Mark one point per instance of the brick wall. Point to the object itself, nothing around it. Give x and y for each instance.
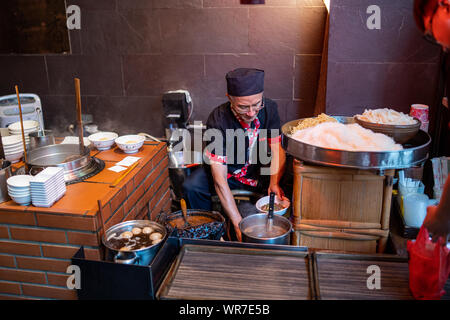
(36, 248)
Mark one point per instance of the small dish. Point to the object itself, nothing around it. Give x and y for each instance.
(130, 143)
(103, 140)
(265, 201)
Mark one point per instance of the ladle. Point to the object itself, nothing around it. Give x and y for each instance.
(184, 210)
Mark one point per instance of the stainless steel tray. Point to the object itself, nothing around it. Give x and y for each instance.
(415, 152)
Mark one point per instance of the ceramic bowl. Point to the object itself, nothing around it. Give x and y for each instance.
(103, 140)
(24, 201)
(14, 157)
(130, 143)
(22, 180)
(400, 133)
(27, 125)
(265, 200)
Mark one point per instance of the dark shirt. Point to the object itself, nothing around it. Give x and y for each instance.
(222, 118)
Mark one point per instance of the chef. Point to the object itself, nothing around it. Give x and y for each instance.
(243, 125)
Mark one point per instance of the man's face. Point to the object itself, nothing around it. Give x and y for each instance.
(247, 107)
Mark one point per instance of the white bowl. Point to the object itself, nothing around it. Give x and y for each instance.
(11, 140)
(22, 180)
(18, 194)
(130, 143)
(24, 201)
(265, 200)
(103, 140)
(27, 124)
(14, 157)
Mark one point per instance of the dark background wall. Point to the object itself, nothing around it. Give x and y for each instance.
(128, 52)
(393, 67)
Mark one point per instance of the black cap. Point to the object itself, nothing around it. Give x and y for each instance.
(245, 82)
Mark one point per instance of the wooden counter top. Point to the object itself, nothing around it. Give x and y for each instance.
(81, 198)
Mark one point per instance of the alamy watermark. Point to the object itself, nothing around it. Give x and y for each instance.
(228, 147)
(374, 280)
(374, 20)
(73, 281)
(73, 14)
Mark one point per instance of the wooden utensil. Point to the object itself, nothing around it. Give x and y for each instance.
(184, 210)
(80, 124)
(116, 182)
(23, 133)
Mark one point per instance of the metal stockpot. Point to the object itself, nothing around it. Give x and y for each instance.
(142, 256)
(261, 219)
(5, 173)
(38, 139)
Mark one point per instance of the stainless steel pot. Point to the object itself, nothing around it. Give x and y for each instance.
(5, 173)
(260, 220)
(40, 139)
(180, 169)
(142, 256)
(66, 156)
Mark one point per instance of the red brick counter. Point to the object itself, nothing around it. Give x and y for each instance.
(36, 244)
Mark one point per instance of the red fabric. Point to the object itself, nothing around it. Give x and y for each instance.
(214, 157)
(239, 175)
(429, 267)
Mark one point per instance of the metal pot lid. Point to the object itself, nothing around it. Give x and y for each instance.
(415, 152)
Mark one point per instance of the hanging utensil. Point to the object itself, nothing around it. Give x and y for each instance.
(21, 125)
(80, 124)
(184, 210)
(269, 224)
(41, 127)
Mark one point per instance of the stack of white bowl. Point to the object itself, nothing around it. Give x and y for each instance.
(13, 147)
(47, 187)
(29, 126)
(19, 189)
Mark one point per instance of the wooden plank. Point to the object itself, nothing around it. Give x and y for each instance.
(206, 272)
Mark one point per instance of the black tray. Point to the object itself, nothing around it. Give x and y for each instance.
(102, 279)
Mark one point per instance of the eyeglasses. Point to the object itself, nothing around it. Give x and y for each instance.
(246, 108)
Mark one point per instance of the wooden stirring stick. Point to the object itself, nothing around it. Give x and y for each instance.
(23, 133)
(80, 124)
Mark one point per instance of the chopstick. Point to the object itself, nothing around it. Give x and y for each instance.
(21, 124)
(116, 182)
(80, 124)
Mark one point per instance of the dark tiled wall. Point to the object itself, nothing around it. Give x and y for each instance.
(128, 52)
(391, 67)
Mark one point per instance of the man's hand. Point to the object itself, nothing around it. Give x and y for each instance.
(237, 231)
(436, 223)
(275, 188)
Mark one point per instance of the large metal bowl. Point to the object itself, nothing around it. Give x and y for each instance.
(67, 156)
(142, 256)
(415, 152)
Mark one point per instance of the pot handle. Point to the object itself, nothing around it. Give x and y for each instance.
(118, 258)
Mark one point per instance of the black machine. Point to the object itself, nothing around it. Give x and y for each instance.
(177, 107)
